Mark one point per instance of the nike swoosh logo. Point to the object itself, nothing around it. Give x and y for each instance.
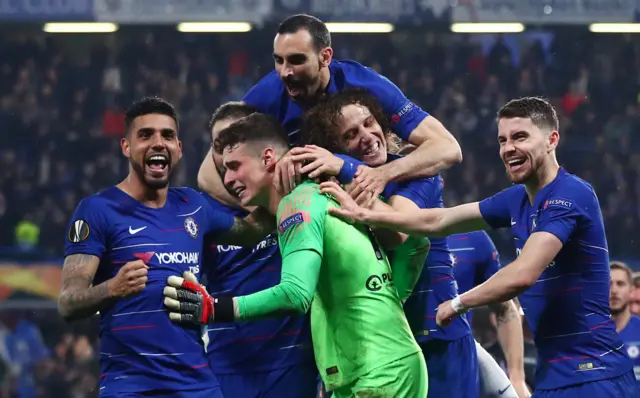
(500, 392)
(135, 231)
(513, 222)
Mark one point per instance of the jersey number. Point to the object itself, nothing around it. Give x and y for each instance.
(374, 243)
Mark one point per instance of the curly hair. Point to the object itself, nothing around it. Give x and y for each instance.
(321, 124)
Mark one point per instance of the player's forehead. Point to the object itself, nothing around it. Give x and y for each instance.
(235, 153)
(154, 122)
(510, 126)
(220, 125)
(352, 116)
(619, 275)
(287, 44)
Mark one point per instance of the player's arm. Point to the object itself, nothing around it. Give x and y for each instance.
(78, 299)
(227, 229)
(210, 182)
(538, 252)
(422, 222)
(85, 244)
(510, 337)
(436, 150)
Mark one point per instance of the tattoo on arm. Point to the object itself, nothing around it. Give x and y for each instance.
(78, 299)
(505, 312)
(250, 230)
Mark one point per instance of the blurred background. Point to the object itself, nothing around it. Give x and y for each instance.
(63, 88)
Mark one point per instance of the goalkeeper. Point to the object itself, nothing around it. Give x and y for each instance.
(362, 342)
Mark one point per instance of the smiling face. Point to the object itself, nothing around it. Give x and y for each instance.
(524, 147)
(362, 135)
(153, 149)
(299, 63)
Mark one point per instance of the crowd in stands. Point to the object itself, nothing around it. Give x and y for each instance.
(61, 118)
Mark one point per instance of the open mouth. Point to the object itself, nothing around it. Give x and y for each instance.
(238, 191)
(516, 163)
(294, 88)
(157, 164)
(371, 150)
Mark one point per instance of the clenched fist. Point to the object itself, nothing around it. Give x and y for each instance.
(130, 279)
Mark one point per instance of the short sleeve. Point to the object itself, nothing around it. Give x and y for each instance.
(88, 230)
(216, 220)
(422, 191)
(301, 220)
(404, 114)
(559, 217)
(495, 209)
(491, 263)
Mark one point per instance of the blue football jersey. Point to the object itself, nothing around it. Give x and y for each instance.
(475, 259)
(270, 96)
(630, 336)
(568, 307)
(140, 348)
(246, 347)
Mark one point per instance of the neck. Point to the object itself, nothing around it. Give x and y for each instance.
(622, 319)
(325, 78)
(543, 177)
(273, 200)
(149, 197)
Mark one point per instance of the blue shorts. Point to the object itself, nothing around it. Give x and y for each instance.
(618, 387)
(293, 382)
(452, 367)
(208, 393)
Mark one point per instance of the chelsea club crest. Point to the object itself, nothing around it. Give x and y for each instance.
(191, 227)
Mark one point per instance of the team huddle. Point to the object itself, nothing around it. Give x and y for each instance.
(319, 258)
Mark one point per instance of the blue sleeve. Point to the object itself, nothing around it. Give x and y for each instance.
(261, 95)
(495, 209)
(216, 221)
(349, 167)
(490, 255)
(404, 114)
(88, 230)
(418, 191)
(560, 216)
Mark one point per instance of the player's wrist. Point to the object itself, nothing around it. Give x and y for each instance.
(224, 309)
(458, 306)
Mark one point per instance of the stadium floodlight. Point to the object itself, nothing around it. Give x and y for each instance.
(214, 27)
(615, 27)
(498, 27)
(359, 27)
(80, 27)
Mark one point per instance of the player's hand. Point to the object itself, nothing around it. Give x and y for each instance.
(319, 161)
(188, 300)
(349, 209)
(445, 314)
(521, 388)
(287, 174)
(130, 279)
(367, 185)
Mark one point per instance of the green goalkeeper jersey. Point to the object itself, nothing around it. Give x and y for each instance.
(357, 320)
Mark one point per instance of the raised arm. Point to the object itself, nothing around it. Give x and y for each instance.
(422, 222)
(79, 299)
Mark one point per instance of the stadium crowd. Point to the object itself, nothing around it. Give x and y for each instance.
(61, 117)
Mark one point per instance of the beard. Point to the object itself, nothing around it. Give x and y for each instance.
(151, 183)
(618, 311)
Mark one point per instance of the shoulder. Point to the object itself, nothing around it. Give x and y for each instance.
(572, 193)
(635, 321)
(100, 202)
(266, 93)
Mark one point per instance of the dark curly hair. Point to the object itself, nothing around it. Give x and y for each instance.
(321, 124)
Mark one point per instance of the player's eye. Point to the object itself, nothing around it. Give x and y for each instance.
(297, 59)
(368, 121)
(278, 60)
(168, 134)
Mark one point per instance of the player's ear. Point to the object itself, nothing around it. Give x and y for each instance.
(554, 140)
(269, 158)
(326, 54)
(126, 147)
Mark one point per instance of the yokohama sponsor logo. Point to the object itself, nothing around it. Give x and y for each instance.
(178, 258)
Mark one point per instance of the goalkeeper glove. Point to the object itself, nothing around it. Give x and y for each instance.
(187, 300)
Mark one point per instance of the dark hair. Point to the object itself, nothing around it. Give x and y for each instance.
(316, 28)
(148, 106)
(231, 109)
(623, 267)
(253, 128)
(539, 110)
(321, 124)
